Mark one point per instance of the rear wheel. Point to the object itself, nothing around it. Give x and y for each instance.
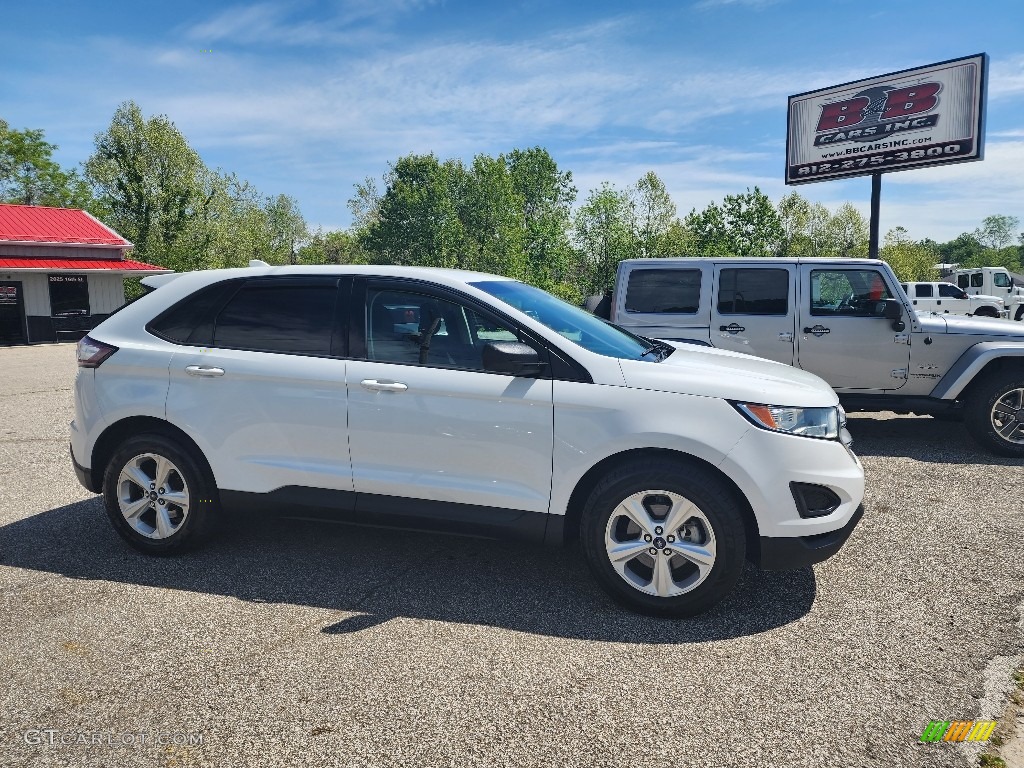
(994, 413)
(664, 537)
(158, 496)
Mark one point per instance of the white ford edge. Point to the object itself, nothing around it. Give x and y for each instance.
(448, 400)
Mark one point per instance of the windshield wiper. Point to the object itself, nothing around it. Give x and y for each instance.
(662, 349)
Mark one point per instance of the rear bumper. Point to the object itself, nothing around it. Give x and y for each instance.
(84, 475)
(780, 554)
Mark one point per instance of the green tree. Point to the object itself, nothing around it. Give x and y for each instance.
(417, 220)
(997, 231)
(152, 182)
(847, 233)
(654, 213)
(336, 247)
(30, 176)
(286, 228)
(546, 195)
(490, 211)
(910, 261)
(604, 235)
(747, 224)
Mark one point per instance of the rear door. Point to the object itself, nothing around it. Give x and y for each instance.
(260, 383)
(753, 310)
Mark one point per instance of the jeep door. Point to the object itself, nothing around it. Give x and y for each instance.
(841, 336)
(427, 422)
(753, 310)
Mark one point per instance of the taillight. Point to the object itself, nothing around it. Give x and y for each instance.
(91, 352)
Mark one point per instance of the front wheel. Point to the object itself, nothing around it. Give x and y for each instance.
(664, 537)
(1020, 313)
(158, 496)
(994, 414)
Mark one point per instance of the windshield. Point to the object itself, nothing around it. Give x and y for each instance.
(571, 322)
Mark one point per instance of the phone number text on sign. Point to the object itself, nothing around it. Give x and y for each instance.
(904, 158)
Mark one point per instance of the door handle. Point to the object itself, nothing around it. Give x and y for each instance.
(818, 330)
(732, 328)
(203, 370)
(383, 386)
(785, 336)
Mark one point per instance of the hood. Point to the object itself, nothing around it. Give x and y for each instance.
(974, 326)
(708, 372)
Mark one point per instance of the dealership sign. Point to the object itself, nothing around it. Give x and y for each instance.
(907, 119)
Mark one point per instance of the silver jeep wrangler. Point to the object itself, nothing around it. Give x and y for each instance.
(848, 321)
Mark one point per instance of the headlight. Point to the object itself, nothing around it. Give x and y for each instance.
(809, 422)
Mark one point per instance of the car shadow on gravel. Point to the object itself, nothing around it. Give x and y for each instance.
(922, 438)
(375, 575)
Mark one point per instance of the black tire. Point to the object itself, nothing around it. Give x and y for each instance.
(714, 501)
(1019, 314)
(1000, 430)
(986, 312)
(189, 480)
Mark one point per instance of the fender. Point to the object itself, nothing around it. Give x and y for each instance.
(971, 362)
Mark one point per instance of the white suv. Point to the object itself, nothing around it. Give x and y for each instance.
(458, 401)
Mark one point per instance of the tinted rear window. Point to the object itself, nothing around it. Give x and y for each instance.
(275, 316)
(190, 321)
(664, 291)
(753, 292)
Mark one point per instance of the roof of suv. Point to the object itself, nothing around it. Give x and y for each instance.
(433, 274)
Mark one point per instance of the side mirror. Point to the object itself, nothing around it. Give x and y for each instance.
(892, 309)
(511, 357)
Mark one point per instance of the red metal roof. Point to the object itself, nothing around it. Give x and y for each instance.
(83, 265)
(38, 224)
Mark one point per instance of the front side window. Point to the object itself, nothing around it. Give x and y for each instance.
(69, 295)
(847, 292)
(664, 291)
(418, 329)
(1001, 280)
(923, 291)
(274, 316)
(950, 291)
(753, 292)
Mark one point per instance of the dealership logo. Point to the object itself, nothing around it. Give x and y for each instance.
(957, 730)
(876, 112)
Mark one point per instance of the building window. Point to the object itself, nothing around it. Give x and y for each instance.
(69, 295)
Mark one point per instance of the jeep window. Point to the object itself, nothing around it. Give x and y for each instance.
(273, 316)
(753, 292)
(950, 291)
(1000, 280)
(923, 291)
(977, 280)
(418, 329)
(847, 292)
(664, 291)
(573, 323)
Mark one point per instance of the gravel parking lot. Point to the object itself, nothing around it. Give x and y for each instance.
(299, 644)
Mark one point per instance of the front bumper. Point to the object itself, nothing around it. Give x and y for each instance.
(787, 553)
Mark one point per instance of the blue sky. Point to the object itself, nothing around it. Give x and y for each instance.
(308, 98)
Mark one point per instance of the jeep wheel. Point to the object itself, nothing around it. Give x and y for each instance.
(994, 414)
(158, 497)
(664, 538)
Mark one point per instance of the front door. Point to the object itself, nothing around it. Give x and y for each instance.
(753, 310)
(426, 421)
(841, 336)
(12, 313)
